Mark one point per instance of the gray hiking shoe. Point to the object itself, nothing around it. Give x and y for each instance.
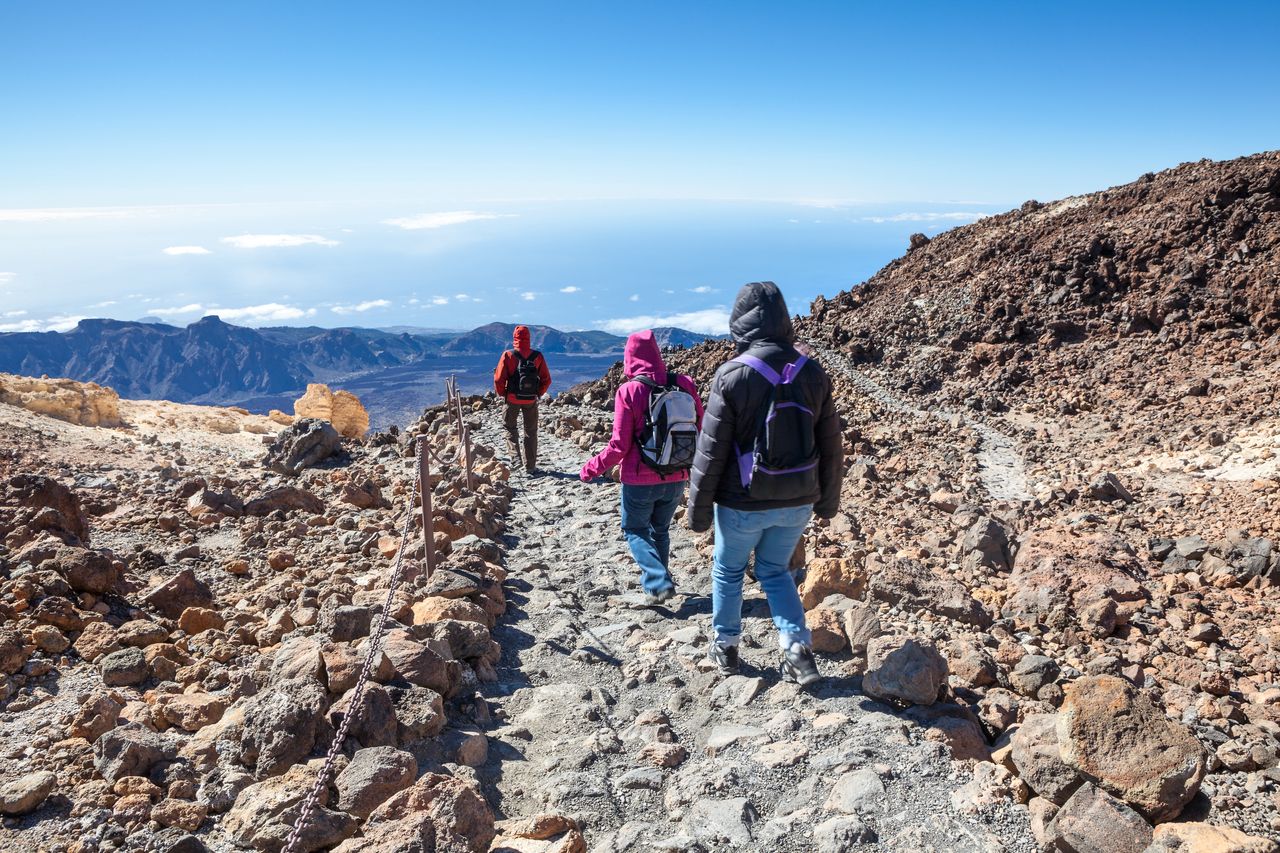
(724, 657)
(799, 666)
(660, 597)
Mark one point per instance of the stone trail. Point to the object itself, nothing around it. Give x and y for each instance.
(1000, 464)
(607, 711)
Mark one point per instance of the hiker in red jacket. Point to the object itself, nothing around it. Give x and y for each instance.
(656, 417)
(522, 377)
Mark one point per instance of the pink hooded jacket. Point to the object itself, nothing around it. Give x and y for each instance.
(642, 357)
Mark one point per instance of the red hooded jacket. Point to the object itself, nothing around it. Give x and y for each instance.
(507, 366)
(642, 357)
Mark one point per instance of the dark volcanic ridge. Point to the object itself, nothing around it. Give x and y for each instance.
(211, 361)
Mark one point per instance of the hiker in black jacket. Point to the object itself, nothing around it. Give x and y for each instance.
(769, 458)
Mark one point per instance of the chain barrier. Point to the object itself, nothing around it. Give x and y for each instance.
(375, 646)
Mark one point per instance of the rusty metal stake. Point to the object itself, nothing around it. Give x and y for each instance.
(457, 399)
(466, 449)
(428, 525)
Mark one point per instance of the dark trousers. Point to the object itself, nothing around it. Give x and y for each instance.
(529, 414)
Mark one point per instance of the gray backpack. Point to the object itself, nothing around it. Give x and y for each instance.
(670, 435)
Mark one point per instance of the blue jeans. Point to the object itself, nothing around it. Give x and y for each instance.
(646, 523)
(772, 534)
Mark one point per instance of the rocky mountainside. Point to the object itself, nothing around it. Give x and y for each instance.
(208, 361)
(495, 337)
(1064, 467)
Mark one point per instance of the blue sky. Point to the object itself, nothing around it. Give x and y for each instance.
(588, 165)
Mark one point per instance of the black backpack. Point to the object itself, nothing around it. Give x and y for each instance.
(783, 464)
(525, 381)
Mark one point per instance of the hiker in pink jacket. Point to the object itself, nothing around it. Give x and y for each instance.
(656, 417)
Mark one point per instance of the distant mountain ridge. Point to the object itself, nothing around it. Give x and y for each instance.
(211, 361)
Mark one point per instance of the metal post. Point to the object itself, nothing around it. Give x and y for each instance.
(428, 525)
(455, 403)
(466, 450)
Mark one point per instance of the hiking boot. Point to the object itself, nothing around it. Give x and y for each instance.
(724, 657)
(798, 665)
(659, 597)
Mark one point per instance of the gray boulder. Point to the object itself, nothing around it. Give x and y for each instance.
(904, 670)
(26, 793)
(304, 445)
(1039, 760)
(373, 775)
(1093, 821)
(282, 725)
(129, 750)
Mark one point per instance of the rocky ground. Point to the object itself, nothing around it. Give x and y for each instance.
(1046, 612)
(186, 604)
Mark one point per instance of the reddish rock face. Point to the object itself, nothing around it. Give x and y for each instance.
(1061, 578)
(1114, 735)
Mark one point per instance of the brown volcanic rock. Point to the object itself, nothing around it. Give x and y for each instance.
(1114, 735)
(1061, 577)
(1164, 260)
(342, 409)
(1203, 838)
(83, 403)
(85, 570)
(28, 494)
(912, 585)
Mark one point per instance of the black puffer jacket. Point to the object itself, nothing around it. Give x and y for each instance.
(761, 326)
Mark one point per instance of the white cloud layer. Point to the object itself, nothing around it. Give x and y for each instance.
(186, 250)
(571, 289)
(60, 323)
(6, 277)
(528, 296)
(361, 307)
(440, 300)
(709, 321)
(193, 308)
(262, 313)
(277, 241)
(933, 216)
(268, 312)
(442, 220)
(701, 289)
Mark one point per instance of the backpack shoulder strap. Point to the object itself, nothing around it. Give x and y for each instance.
(786, 377)
(792, 370)
(760, 366)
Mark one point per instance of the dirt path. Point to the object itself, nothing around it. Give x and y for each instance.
(1000, 465)
(596, 692)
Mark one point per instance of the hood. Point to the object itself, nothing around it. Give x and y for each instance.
(760, 314)
(643, 357)
(521, 341)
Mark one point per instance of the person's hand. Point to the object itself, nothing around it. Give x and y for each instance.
(698, 523)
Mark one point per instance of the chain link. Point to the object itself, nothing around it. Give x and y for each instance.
(375, 645)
